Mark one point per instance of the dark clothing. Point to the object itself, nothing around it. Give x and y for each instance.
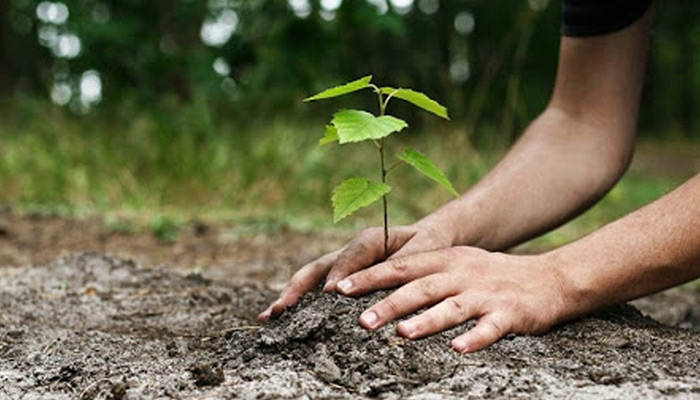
(598, 17)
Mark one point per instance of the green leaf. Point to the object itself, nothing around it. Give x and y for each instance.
(356, 126)
(330, 136)
(423, 164)
(355, 193)
(418, 99)
(348, 88)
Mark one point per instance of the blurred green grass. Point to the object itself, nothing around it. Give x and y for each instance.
(181, 163)
(632, 192)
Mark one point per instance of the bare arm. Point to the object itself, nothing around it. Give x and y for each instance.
(652, 249)
(569, 157)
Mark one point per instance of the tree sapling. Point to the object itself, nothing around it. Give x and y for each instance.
(352, 126)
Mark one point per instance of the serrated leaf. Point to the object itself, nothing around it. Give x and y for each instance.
(423, 164)
(418, 99)
(348, 88)
(355, 193)
(356, 126)
(330, 136)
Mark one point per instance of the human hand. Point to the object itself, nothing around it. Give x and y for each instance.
(506, 293)
(365, 250)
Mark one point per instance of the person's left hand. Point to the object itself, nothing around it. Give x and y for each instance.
(506, 293)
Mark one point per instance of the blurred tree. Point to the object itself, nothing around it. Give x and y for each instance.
(492, 63)
(6, 54)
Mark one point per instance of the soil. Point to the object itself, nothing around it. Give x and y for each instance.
(92, 326)
(244, 254)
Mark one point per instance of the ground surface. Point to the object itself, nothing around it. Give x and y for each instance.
(91, 326)
(243, 254)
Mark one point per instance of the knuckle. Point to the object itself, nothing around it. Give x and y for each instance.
(391, 306)
(426, 287)
(465, 253)
(311, 269)
(293, 286)
(399, 266)
(362, 277)
(427, 321)
(495, 327)
(346, 259)
(508, 302)
(454, 256)
(457, 307)
(453, 252)
(366, 235)
(323, 262)
(359, 246)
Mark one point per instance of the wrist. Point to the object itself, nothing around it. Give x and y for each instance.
(576, 295)
(440, 227)
(449, 222)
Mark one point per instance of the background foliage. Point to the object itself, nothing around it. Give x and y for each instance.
(489, 61)
(188, 104)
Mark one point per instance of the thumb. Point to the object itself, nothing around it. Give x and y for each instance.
(417, 244)
(366, 250)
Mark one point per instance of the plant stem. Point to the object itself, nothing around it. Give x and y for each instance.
(384, 201)
(382, 109)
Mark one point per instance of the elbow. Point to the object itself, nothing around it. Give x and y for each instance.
(612, 158)
(612, 148)
(600, 149)
(609, 153)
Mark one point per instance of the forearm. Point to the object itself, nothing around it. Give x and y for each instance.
(652, 249)
(570, 156)
(558, 169)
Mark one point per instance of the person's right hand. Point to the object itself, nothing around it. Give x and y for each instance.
(362, 252)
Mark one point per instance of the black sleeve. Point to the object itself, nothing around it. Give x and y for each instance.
(598, 17)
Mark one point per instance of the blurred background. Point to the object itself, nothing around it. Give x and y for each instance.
(160, 114)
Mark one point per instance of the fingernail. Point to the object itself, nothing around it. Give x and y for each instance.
(345, 285)
(409, 328)
(370, 319)
(460, 345)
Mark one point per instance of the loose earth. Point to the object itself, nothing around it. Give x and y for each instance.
(92, 326)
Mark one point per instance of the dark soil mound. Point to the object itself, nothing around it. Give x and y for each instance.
(95, 327)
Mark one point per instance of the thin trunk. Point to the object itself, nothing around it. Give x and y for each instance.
(6, 56)
(688, 53)
(527, 24)
(446, 14)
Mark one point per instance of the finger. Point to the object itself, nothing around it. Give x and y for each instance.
(392, 273)
(411, 248)
(487, 331)
(411, 297)
(365, 250)
(450, 312)
(414, 246)
(304, 280)
(427, 240)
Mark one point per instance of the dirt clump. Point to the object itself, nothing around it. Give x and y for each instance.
(205, 375)
(91, 326)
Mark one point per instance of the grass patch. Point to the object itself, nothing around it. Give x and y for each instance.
(174, 164)
(631, 193)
